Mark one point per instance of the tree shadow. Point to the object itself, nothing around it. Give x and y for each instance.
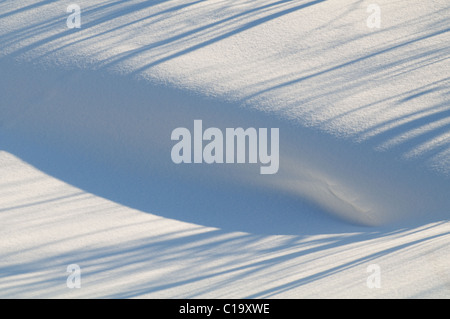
(210, 263)
(112, 11)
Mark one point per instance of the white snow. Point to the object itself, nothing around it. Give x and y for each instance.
(86, 175)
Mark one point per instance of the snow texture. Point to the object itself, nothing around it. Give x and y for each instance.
(86, 176)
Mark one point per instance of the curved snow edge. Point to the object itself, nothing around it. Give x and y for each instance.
(124, 124)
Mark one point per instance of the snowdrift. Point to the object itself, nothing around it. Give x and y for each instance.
(111, 135)
(362, 138)
(362, 115)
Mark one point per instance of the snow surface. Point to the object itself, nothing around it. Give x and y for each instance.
(86, 174)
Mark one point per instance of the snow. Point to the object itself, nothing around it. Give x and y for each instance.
(87, 179)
